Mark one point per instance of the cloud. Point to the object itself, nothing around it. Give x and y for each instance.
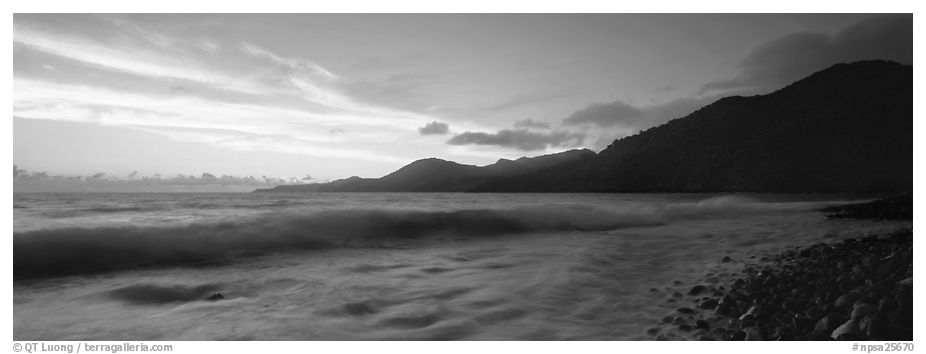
(26, 181)
(605, 115)
(521, 139)
(129, 59)
(787, 59)
(624, 116)
(530, 123)
(434, 128)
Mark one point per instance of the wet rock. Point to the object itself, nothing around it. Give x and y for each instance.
(752, 312)
(802, 323)
(828, 323)
(846, 300)
(862, 310)
(815, 312)
(697, 290)
(850, 327)
(738, 335)
(753, 333)
(727, 306)
(708, 304)
(687, 311)
(783, 333)
(848, 337)
(748, 321)
(886, 305)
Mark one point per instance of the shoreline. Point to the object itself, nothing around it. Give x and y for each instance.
(855, 289)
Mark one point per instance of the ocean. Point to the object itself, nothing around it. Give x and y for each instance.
(382, 266)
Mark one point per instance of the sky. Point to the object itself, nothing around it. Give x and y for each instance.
(336, 95)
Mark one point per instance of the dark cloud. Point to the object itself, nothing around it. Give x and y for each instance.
(787, 59)
(530, 123)
(619, 114)
(434, 128)
(521, 139)
(606, 115)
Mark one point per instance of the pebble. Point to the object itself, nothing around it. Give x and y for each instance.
(801, 294)
(708, 304)
(697, 289)
(686, 311)
(850, 327)
(752, 333)
(846, 300)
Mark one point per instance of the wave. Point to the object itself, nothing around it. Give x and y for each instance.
(80, 250)
(60, 214)
(144, 293)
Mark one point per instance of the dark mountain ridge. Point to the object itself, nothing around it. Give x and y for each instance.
(848, 128)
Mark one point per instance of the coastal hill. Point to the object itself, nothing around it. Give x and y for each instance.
(436, 175)
(848, 128)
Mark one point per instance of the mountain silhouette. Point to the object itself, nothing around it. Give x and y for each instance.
(847, 128)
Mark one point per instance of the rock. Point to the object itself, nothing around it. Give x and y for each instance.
(738, 335)
(815, 312)
(685, 328)
(752, 333)
(862, 310)
(848, 336)
(753, 311)
(702, 324)
(782, 333)
(846, 300)
(708, 304)
(677, 294)
(803, 323)
(886, 305)
(828, 323)
(727, 306)
(850, 327)
(704, 337)
(687, 311)
(747, 321)
(652, 331)
(216, 297)
(727, 259)
(697, 289)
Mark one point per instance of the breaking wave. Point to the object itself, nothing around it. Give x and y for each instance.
(79, 250)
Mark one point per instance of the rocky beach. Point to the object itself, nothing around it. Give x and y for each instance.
(854, 289)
